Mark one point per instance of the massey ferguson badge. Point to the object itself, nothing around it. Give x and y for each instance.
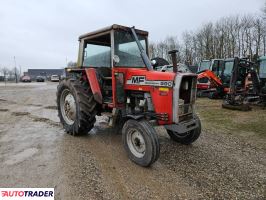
(141, 80)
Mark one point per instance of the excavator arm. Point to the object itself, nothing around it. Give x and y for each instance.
(211, 76)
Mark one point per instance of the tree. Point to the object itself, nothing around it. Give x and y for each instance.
(5, 71)
(228, 37)
(71, 64)
(264, 11)
(264, 29)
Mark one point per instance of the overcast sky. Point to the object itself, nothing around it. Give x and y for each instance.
(44, 33)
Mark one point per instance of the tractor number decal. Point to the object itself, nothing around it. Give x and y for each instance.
(141, 80)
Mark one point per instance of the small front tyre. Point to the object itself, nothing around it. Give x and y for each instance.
(187, 137)
(140, 142)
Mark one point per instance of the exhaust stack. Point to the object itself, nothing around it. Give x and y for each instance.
(174, 59)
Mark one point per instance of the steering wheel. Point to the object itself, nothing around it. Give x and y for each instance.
(163, 69)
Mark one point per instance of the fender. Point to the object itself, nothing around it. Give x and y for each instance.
(94, 84)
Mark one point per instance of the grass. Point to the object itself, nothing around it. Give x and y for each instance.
(215, 117)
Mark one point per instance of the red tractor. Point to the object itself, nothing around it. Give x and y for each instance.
(114, 74)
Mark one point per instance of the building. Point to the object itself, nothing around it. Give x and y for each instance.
(33, 73)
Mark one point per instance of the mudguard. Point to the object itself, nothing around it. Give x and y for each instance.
(94, 84)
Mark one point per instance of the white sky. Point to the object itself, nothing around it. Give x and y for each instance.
(43, 33)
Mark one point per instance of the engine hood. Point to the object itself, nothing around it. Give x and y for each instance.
(151, 78)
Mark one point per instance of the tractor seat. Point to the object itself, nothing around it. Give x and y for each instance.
(104, 73)
(107, 78)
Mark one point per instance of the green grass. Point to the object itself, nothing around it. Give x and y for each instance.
(214, 117)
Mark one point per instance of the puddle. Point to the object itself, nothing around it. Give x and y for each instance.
(21, 156)
(40, 120)
(20, 113)
(37, 105)
(45, 120)
(51, 107)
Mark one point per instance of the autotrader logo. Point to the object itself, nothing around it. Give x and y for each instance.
(27, 193)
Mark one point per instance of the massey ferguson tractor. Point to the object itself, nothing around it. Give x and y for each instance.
(115, 75)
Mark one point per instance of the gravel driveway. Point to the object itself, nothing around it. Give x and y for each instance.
(35, 152)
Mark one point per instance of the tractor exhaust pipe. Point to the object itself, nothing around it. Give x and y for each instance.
(174, 59)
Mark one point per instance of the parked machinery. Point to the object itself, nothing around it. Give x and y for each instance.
(262, 69)
(245, 87)
(115, 75)
(214, 82)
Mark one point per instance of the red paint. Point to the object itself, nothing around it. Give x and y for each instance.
(94, 84)
(162, 104)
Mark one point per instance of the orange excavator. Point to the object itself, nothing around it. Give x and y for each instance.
(216, 87)
(214, 82)
(246, 87)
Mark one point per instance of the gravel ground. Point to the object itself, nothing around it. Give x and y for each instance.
(35, 152)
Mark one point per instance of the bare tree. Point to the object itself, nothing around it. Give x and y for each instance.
(5, 71)
(71, 64)
(232, 36)
(161, 48)
(264, 29)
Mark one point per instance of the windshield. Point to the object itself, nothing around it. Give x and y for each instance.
(204, 65)
(263, 69)
(217, 67)
(228, 67)
(169, 68)
(127, 49)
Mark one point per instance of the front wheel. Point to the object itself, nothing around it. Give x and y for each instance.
(187, 137)
(140, 142)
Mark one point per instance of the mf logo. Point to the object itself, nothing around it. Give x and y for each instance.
(138, 79)
(141, 80)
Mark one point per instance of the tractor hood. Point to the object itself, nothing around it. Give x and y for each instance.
(150, 78)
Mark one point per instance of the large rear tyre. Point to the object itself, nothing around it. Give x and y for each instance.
(187, 137)
(140, 142)
(76, 107)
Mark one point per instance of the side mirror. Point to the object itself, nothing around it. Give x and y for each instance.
(116, 59)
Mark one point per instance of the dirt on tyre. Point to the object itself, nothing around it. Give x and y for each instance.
(187, 137)
(140, 142)
(76, 106)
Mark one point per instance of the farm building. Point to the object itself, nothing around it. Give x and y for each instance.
(33, 73)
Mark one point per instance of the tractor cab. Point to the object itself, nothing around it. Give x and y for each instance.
(204, 64)
(215, 67)
(262, 69)
(227, 71)
(109, 48)
(112, 46)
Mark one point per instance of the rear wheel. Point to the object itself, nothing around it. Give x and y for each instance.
(187, 137)
(76, 107)
(140, 142)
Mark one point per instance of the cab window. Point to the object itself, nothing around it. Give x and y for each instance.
(97, 52)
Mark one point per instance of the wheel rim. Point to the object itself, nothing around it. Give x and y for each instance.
(181, 135)
(68, 107)
(136, 143)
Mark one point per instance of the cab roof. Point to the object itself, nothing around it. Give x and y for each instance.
(109, 28)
